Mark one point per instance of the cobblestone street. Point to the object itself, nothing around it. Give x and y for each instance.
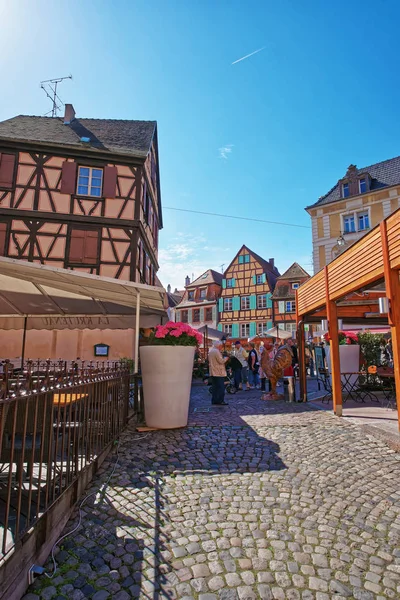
(255, 500)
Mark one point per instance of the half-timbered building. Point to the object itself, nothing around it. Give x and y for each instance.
(284, 296)
(198, 306)
(245, 306)
(82, 194)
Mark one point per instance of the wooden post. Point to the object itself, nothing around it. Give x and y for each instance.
(137, 331)
(392, 283)
(301, 350)
(331, 311)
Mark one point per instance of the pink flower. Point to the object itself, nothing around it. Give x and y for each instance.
(175, 333)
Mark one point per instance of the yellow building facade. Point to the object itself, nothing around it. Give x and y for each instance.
(355, 205)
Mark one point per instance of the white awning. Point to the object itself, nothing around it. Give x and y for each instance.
(55, 298)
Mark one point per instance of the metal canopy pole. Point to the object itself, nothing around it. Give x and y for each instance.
(137, 325)
(23, 343)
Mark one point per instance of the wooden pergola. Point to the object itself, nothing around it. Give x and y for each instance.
(332, 294)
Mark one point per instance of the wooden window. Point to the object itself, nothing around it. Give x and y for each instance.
(244, 329)
(90, 182)
(227, 303)
(262, 301)
(203, 293)
(191, 295)
(68, 178)
(228, 329)
(7, 169)
(196, 315)
(259, 279)
(84, 246)
(349, 225)
(184, 316)
(209, 314)
(230, 283)
(363, 221)
(247, 258)
(362, 185)
(290, 306)
(245, 303)
(261, 328)
(3, 238)
(295, 285)
(345, 190)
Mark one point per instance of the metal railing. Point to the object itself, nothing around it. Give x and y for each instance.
(54, 422)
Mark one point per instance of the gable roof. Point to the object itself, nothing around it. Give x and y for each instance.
(293, 272)
(383, 174)
(208, 277)
(271, 272)
(129, 138)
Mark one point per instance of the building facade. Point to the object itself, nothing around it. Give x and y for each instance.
(245, 306)
(284, 296)
(198, 306)
(357, 203)
(82, 194)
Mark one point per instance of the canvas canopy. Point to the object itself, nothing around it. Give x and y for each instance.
(45, 297)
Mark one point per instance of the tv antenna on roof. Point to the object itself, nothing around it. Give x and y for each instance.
(222, 268)
(50, 89)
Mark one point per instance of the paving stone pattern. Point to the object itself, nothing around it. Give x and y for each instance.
(258, 500)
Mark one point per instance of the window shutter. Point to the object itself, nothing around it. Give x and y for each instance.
(253, 302)
(221, 305)
(189, 315)
(241, 260)
(281, 308)
(269, 300)
(269, 324)
(7, 164)
(219, 326)
(253, 329)
(235, 330)
(254, 279)
(202, 314)
(264, 278)
(68, 178)
(110, 182)
(177, 316)
(233, 282)
(214, 313)
(91, 246)
(236, 303)
(3, 235)
(77, 246)
(224, 284)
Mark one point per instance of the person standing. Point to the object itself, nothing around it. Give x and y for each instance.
(254, 365)
(217, 369)
(241, 354)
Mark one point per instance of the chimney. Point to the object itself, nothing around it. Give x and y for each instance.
(69, 114)
(169, 288)
(176, 290)
(272, 262)
(187, 280)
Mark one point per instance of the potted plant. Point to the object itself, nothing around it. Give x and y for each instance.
(166, 365)
(349, 352)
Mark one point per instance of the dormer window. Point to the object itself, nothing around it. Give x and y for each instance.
(345, 190)
(295, 285)
(191, 295)
(203, 293)
(362, 184)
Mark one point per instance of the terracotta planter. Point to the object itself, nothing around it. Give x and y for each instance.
(167, 379)
(349, 359)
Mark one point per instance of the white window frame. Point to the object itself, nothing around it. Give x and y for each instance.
(295, 285)
(364, 214)
(261, 301)
(290, 327)
(230, 302)
(349, 216)
(89, 186)
(355, 215)
(228, 329)
(229, 283)
(259, 279)
(244, 330)
(292, 306)
(261, 327)
(245, 300)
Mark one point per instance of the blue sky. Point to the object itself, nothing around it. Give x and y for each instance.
(321, 95)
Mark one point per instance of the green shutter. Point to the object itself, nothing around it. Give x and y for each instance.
(233, 282)
(253, 329)
(264, 278)
(224, 283)
(269, 300)
(221, 305)
(214, 312)
(241, 259)
(236, 303)
(189, 315)
(281, 308)
(219, 327)
(253, 303)
(269, 324)
(202, 314)
(235, 330)
(247, 258)
(254, 278)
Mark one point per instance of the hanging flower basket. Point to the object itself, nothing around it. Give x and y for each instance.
(167, 366)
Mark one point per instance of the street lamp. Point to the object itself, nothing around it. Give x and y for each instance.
(341, 241)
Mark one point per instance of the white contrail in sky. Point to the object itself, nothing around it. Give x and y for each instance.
(248, 55)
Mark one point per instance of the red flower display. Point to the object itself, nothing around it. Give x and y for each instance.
(345, 337)
(175, 334)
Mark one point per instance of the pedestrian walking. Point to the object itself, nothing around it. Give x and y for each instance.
(241, 354)
(254, 365)
(217, 370)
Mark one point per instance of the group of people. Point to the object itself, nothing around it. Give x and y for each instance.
(245, 365)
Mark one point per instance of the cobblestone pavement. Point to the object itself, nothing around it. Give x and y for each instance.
(258, 500)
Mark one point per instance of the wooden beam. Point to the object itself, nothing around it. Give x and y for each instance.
(301, 353)
(392, 282)
(332, 315)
